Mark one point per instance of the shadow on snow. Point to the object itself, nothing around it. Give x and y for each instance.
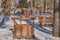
(36, 25)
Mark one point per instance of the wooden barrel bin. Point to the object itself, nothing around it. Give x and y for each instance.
(23, 30)
(27, 31)
(42, 20)
(17, 31)
(30, 31)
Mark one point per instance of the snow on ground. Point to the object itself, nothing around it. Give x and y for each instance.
(1, 17)
(6, 32)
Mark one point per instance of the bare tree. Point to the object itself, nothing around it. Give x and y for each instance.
(56, 19)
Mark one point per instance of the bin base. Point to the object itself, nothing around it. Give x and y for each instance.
(26, 39)
(15, 37)
(31, 37)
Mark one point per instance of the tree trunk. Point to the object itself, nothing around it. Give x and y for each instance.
(56, 19)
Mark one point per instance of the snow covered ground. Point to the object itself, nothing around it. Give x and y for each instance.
(6, 31)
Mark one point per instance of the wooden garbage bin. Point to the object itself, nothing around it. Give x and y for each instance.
(42, 20)
(30, 31)
(24, 30)
(17, 29)
(27, 31)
